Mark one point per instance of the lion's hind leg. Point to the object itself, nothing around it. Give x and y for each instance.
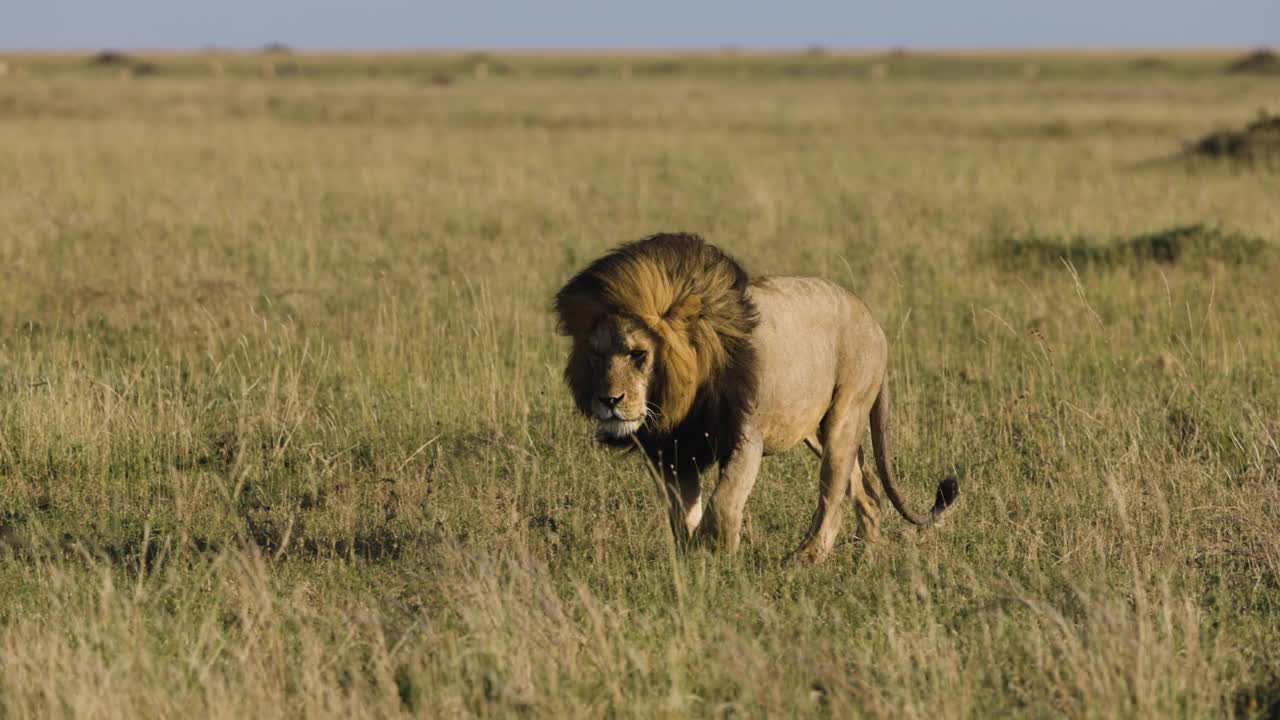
(862, 491)
(866, 501)
(839, 441)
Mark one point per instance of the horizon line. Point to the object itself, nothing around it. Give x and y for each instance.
(813, 49)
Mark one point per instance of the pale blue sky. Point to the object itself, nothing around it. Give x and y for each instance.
(655, 24)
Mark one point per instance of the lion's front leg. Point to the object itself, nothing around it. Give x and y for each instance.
(723, 524)
(683, 488)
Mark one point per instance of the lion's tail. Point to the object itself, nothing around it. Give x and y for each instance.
(948, 489)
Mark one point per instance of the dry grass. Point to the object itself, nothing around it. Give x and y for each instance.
(282, 431)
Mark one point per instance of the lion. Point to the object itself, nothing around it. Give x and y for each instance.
(675, 349)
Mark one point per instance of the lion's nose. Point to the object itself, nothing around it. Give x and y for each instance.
(611, 402)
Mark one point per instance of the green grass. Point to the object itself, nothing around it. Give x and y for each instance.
(282, 430)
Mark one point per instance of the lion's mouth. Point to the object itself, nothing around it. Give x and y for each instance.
(619, 427)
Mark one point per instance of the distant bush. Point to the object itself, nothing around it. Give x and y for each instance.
(1262, 61)
(110, 57)
(1257, 144)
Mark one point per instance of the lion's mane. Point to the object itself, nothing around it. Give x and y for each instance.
(693, 298)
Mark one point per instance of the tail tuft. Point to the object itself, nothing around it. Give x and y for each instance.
(948, 490)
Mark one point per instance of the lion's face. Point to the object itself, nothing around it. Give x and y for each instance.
(615, 368)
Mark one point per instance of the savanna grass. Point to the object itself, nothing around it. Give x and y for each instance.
(282, 430)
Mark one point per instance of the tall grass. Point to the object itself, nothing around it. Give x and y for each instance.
(282, 430)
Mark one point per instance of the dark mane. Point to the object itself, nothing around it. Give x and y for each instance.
(693, 296)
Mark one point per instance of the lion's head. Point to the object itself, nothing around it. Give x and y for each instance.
(661, 331)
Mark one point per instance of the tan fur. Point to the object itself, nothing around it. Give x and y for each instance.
(675, 338)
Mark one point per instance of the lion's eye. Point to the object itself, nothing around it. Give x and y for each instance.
(639, 355)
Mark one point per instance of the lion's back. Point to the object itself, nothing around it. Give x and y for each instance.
(814, 308)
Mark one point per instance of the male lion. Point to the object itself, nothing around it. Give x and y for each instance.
(674, 348)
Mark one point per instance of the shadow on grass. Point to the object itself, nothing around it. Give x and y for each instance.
(1186, 245)
(139, 547)
(1258, 702)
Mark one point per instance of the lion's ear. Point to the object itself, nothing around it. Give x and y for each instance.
(684, 310)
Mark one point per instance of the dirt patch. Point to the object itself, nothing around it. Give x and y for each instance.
(1261, 61)
(1256, 145)
(1187, 245)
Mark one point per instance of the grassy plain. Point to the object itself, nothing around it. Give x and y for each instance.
(282, 432)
